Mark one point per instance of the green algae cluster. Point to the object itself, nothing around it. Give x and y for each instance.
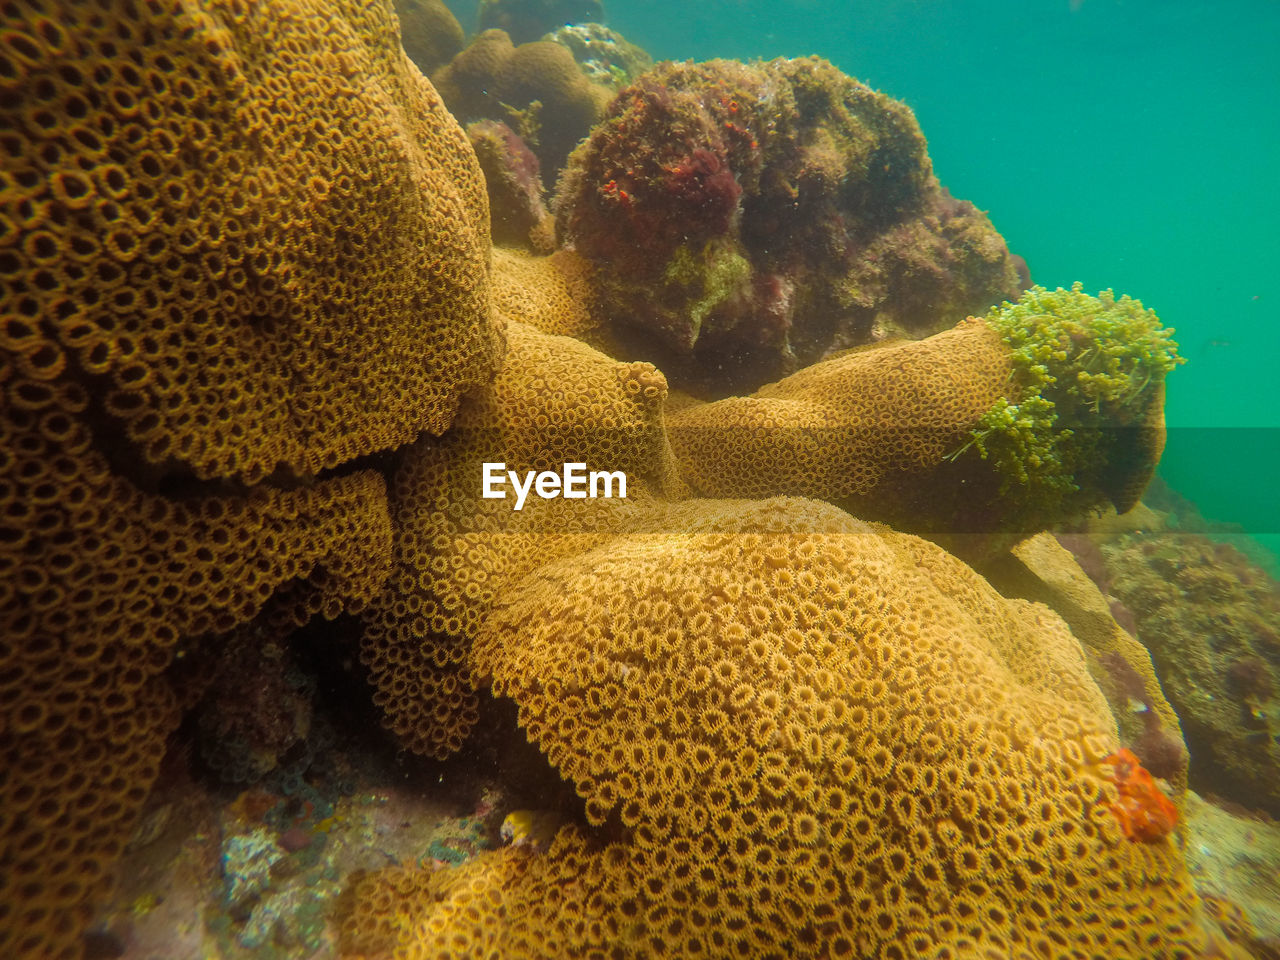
(1084, 368)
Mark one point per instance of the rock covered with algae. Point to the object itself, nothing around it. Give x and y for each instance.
(753, 216)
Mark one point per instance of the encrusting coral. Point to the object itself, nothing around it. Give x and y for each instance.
(751, 217)
(998, 428)
(791, 743)
(240, 243)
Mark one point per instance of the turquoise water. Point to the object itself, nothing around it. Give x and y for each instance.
(1132, 145)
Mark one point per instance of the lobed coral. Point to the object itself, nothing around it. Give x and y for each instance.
(452, 545)
(553, 294)
(234, 227)
(791, 743)
(252, 247)
(536, 87)
(751, 216)
(429, 32)
(243, 246)
(954, 435)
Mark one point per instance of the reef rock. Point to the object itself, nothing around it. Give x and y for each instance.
(754, 216)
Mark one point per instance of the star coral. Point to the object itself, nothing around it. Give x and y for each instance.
(246, 245)
(979, 435)
(1145, 813)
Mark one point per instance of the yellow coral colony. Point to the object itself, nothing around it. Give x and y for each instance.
(244, 245)
(793, 733)
(240, 242)
(797, 744)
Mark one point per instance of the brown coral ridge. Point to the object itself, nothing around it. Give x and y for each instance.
(240, 243)
(795, 745)
(537, 87)
(555, 401)
(883, 432)
(755, 216)
(238, 229)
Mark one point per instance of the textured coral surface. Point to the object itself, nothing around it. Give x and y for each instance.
(243, 243)
(838, 744)
(452, 544)
(950, 436)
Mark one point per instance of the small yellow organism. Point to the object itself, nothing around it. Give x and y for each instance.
(529, 828)
(145, 904)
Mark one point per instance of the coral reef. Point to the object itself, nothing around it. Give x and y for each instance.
(1211, 620)
(430, 33)
(754, 216)
(793, 744)
(978, 435)
(446, 555)
(792, 733)
(1041, 569)
(518, 215)
(257, 353)
(604, 55)
(536, 88)
(243, 247)
(526, 20)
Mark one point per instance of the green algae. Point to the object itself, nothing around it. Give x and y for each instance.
(1082, 365)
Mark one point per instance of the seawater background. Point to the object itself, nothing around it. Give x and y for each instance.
(1132, 145)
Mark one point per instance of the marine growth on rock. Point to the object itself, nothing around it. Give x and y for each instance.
(755, 216)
